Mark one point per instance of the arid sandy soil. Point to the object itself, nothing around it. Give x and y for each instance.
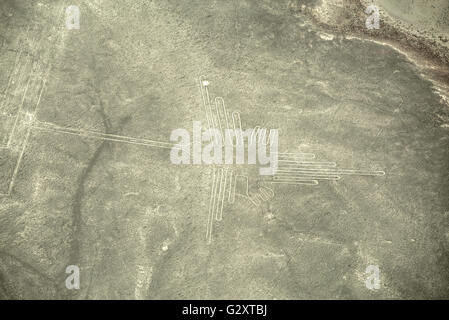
(85, 181)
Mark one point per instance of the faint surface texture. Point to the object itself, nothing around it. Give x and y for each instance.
(135, 223)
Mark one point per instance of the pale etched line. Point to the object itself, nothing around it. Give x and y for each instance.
(22, 70)
(225, 112)
(49, 63)
(57, 40)
(34, 48)
(238, 131)
(309, 176)
(203, 84)
(254, 133)
(47, 73)
(339, 171)
(288, 178)
(308, 163)
(261, 196)
(263, 138)
(29, 58)
(17, 67)
(262, 135)
(44, 81)
(246, 183)
(253, 199)
(16, 169)
(264, 193)
(304, 171)
(217, 195)
(306, 177)
(11, 135)
(297, 182)
(13, 73)
(216, 204)
(37, 83)
(222, 192)
(149, 144)
(265, 190)
(101, 134)
(19, 160)
(211, 114)
(45, 126)
(211, 212)
(256, 199)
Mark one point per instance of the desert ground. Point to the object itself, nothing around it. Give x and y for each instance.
(86, 178)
